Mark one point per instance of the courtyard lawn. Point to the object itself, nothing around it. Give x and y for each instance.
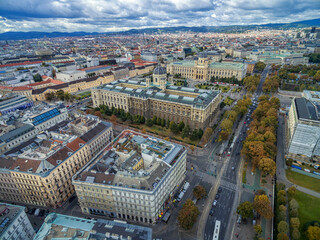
(303, 180)
(164, 132)
(224, 89)
(308, 210)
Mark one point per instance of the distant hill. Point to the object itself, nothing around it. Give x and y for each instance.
(226, 29)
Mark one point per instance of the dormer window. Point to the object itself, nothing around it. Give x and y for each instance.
(81, 144)
(69, 154)
(59, 161)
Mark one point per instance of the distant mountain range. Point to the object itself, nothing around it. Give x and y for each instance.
(226, 29)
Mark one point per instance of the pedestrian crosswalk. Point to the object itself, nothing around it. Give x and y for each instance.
(228, 185)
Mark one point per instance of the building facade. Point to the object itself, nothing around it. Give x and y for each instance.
(134, 180)
(195, 107)
(14, 223)
(203, 69)
(39, 171)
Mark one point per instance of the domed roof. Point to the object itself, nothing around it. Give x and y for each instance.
(203, 55)
(159, 70)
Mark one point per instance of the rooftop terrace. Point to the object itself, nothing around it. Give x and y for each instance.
(133, 160)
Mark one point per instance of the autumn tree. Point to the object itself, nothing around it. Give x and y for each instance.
(294, 222)
(282, 236)
(188, 214)
(98, 114)
(258, 229)
(267, 165)
(245, 209)
(113, 118)
(283, 227)
(313, 233)
(207, 134)
(261, 205)
(199, 192)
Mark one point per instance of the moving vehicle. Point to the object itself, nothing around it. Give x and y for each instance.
(216, 230)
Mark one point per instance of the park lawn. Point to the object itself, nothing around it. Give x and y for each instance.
(84, 94)
(303, 180)
(228, 101)
(224, 89)
(309, 210)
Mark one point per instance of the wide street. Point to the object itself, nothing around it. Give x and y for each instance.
(230, 184)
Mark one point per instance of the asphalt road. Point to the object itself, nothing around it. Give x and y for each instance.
(228, 183)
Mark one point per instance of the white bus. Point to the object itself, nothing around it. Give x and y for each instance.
(216, 230)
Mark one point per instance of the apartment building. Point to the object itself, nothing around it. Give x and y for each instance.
(32, 125)
(140, 96)
(134, 179)
(39, 171)
(14, 223)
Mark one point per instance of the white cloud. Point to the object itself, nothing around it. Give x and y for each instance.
(101, 15)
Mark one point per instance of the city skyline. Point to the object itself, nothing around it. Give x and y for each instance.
(104, 16)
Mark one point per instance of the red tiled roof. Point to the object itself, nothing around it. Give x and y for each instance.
(75, 145)
(26, 164)
(20, 64)
(62, 154)
(22, 88)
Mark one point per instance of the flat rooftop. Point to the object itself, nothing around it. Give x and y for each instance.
(305, 109)
(8, 213)
(63, 227)
(133, 160)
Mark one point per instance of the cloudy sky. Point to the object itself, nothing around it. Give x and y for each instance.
(115, 15)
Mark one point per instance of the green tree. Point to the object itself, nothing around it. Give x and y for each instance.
(295, 234)
(283, 227)
(60, 94)
(173, 127)
(291, 191)
(37, 78)
(186, 131)
(163, 122)
(245, 209)
(259, 66)
(149, 123)
(181, 126)
(293, 204)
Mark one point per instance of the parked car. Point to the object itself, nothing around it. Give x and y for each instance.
(211, 212)
(219, 189)
(217, 196)
(31, 211)
(214, 203)
(41, 213)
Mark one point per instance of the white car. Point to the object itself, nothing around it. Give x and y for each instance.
(214, 203)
